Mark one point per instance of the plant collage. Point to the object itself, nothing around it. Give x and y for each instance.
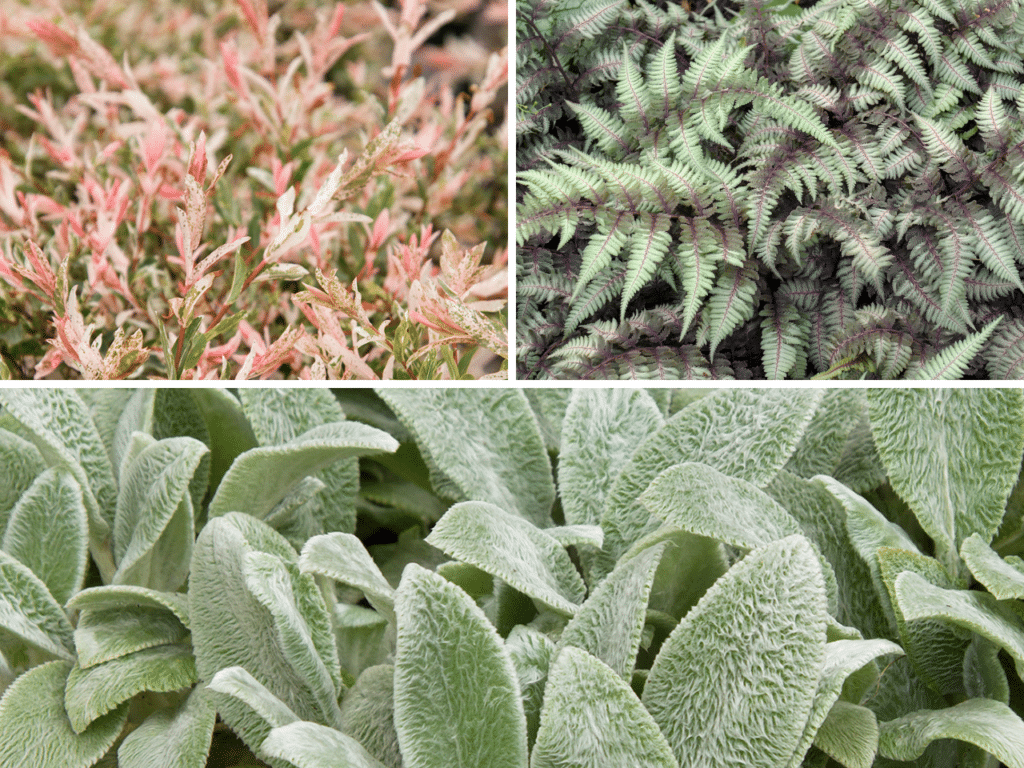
(275, 494)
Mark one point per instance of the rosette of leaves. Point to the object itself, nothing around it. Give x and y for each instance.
(760, 189)
(740, 577)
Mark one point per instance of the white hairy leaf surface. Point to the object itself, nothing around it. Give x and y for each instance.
(601, 430)
(310, 745)
(975, 611)
(549, 407)
(577, 535)
(1003, 578)
(36, 730)
(125, 596)
(261, 477)
(176, 737)
(988, 724)
(592, 719)
(849, 735)
(368, 714)
(278, 416)
(302, 625)
(512, 549)
(953, 456)
(153, 525)
(734, 683)
(236, 685)
(361, 635)
(29, 612)
(48, 531)
(485, 442)
(342, 557)
(609, 624)
(749, 434)
(22, 463)
(820, 451)
(444, 717)
(230, 627)
(93, 692)
(531, 653)
(103, 634)
(843, 658)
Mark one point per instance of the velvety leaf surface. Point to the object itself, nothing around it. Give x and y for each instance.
(48, 531)
(602, 429)
(976, 611)
(153, 525)
(237, 684)
(122, 596)
(298, 621)
(176, 737)
(935, 649)
(28, 610)
(231, 434)
(991, 725)
(91, 693)
(820, 451)
(20, 464)
(309, 745)
(592, 719)
(531, 653)
(486, 442)
(103, 634)
(577, 535)
(456, 697)
(261, 477)
(749, 434)
(36, 728)
(734, 683)
(849, 735)
(549, 406)
(278, 416)
(361, 637)
(368, 714)
(609, 624)
(1004, 579)
(342, 557)
(512, 549)
(953, 456)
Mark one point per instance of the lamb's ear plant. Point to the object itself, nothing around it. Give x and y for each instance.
(435, 578)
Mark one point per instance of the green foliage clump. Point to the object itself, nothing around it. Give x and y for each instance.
(761, 189)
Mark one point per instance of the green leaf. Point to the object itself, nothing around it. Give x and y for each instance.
(280, 415)
(93, 692)
(849, 735)
(843, 658)
(368, 714)
(952, 456)
(122, 596)
(821, 449)
(28, 610)
(1004, 579)
(445, 718)
(609, 624)
(512, 549)
(298, 619)
(230, 432)
(602, 429)
(991, 725)
(230, 627)
(36, 728)
(261, 477)
(485, 442)
(103, 634)
(532, 653)
(730, 431)
(761, 627)
(975, 611)
(20, 464)
(549, 407)
(361, 637)
(309, 745)
(153, 526)
(48, 531)
(592, 719)
(178, 737)
(577, 535)
(342, 557)
(237, 685)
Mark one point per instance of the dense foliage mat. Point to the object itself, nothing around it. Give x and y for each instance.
(499, 579)
(759, 188)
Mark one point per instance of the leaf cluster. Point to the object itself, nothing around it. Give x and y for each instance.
(770, 190)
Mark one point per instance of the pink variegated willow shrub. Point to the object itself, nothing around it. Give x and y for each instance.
(316, 192)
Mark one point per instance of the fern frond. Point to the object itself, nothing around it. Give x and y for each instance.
(731, 302)
(698, 264)
(944, 146)
(952, 70)
(648, 246)
(1004, 356)
(952, 362)
(603, 128)
(992, 120)
(783, 336)
(883, 77)
(585, 20)
(989, 238)
(634, 99)
(604, 245)
(598, 293)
